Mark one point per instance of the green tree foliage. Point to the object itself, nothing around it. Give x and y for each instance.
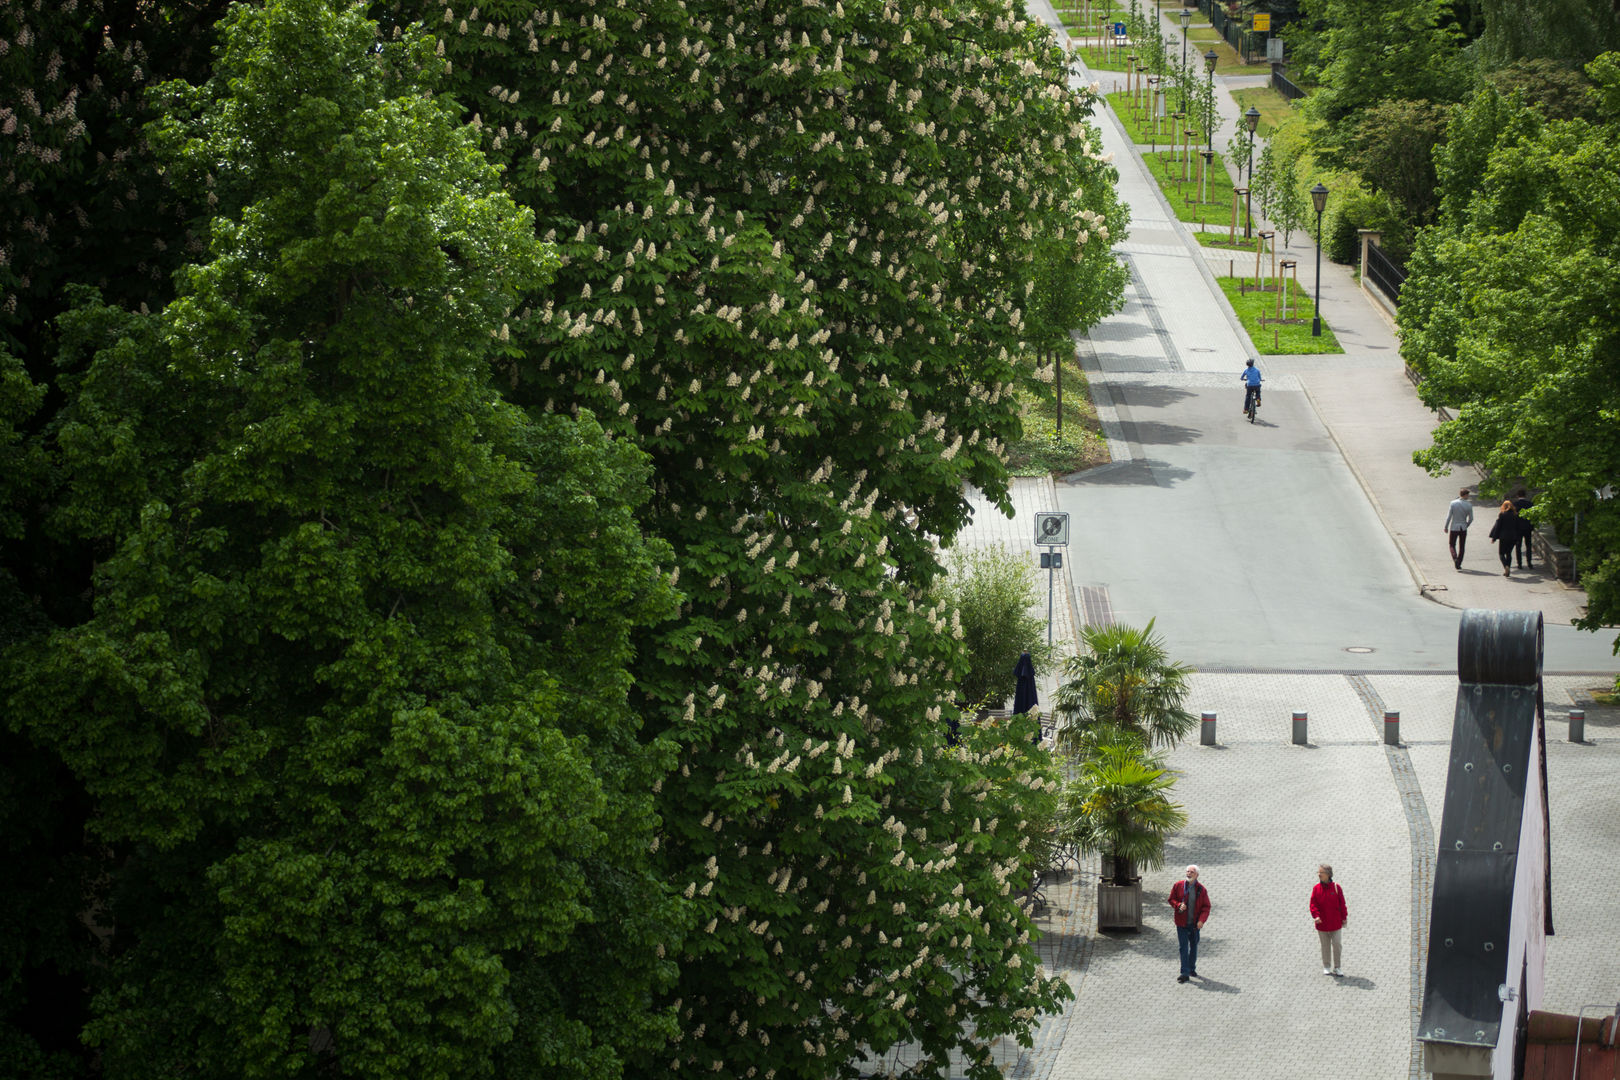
(1382, 50)
(800, 247)
(1572, 32)
(1124, 679)
(350, 708)
(1391, 147)
(1559, 91)
(1507, 312)
(989, 591)
(1118, 805)
(80, 199)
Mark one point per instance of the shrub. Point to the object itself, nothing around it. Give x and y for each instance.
(992, 590)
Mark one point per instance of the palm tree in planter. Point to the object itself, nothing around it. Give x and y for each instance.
(1122, 678)
(1118, 805)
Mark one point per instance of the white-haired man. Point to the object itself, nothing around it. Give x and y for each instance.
(1190, 902)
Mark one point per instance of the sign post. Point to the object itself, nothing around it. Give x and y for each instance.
(1051, 532)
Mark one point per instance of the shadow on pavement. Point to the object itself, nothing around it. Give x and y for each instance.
(1216, 987)
(1141, 472)
(1150, 395)
(1356, 982)
(1205, 850)
(1154, 433)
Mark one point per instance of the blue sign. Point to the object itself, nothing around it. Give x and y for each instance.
(1119, 29)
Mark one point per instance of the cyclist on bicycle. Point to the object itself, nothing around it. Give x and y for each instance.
(1251, 386)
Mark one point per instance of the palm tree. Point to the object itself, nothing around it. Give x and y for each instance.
(1117, 805)
(1125, 679)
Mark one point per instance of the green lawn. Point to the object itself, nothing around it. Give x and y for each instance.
(1042, 452)
(1272, 339)
(1215, 206)
(1140, 128)
(1100, 59)
(1274, 108)
(1228, 61)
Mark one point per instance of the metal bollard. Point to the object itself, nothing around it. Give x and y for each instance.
(1577, 725)
(1299, 728)
(1392, 728)
(1206, 731)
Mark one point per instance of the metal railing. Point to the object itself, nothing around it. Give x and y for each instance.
(1285, 86)
(1382, 271)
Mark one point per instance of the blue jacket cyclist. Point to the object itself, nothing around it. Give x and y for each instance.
(1251, 385)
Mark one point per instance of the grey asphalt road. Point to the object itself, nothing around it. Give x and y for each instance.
(1252, 545)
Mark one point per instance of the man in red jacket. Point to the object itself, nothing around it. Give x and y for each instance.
(1330, 913)
(1190, 903)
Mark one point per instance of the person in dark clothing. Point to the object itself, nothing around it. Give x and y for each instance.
(1521, 503)
(1505, 532)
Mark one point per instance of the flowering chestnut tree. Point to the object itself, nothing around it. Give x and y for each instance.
(799, 246)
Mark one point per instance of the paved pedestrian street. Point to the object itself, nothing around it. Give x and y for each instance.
(1299, 564)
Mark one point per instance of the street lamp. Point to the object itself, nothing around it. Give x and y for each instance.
(1252, 119)
(1210, 60)
(1319, 195)
(1186, 17)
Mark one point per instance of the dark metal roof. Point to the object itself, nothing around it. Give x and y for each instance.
(1497, 716)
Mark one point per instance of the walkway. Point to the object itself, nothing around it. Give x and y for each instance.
(1265, 812)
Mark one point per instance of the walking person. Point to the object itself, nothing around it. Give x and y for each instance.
(1330, 913)
(1521, 503)
(1190, 902)
(1459, 515)
(1505, 531)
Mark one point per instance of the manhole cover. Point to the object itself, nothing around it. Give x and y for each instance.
(1358, 649)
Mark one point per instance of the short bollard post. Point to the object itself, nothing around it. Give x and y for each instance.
(1577, 725)
(1206, 731)
(1299, 728)
(1392, 728)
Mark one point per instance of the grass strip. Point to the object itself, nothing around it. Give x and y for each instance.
(1042, 451)
(1273, 338)
(1274, 108)
(1138, 124)
(1208, 203)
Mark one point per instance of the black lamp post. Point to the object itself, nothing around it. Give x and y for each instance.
(1252, 119)
(1210, 59)
(1186, 17)
(1319, 195)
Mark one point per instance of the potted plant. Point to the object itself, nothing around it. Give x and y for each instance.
(1122, 699)
(1118, 805)
(1123, 679)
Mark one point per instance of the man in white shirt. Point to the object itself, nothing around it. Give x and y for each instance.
(1459, 516)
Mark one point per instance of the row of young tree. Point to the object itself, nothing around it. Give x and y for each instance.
(472, 481)
(1479, 136)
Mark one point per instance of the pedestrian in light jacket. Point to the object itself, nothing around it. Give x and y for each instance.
(1459, 515)
(1330, 913)
(1189, 901)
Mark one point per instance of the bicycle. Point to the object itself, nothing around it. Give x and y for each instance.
(1251, 402)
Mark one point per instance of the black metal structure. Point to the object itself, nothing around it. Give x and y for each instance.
(1285, 86)
(1385, 273)
(1496, 735)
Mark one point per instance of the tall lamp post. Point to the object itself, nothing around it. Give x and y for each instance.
(1252, 119)
(1319, 195)
(1186, 17)
(1210, 59)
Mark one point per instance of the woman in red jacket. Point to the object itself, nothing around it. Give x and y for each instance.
(1327, 908)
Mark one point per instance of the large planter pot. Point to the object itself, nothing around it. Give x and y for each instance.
(1119, 907)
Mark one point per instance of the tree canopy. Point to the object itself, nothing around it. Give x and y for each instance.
(351, 704)
(1508, 315)
(494, 634)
